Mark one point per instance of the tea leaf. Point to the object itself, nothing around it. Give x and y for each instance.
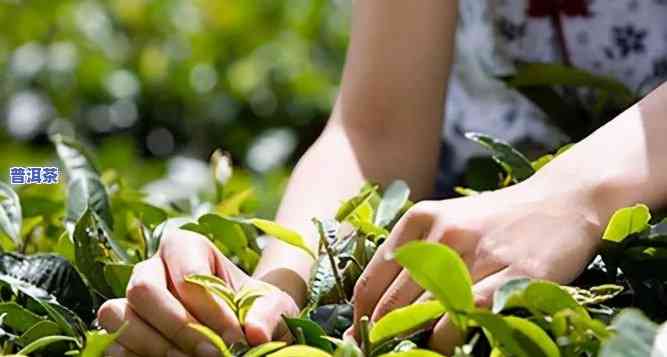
(532, 338)
(357, 202)
(117, 276)
(17, 317)
(300, 351)
(393, 200)
(91, 252)
(413, 353)
(542, 161)
(98, 341)
(10, 213)
(283, 234)
(508, 293)
(627, 221)
(265, 349)
(215, 285)
(440, 270)
(345, 348)
(405, 319)
(542, 74)
(231, 206)
(213, 337)
(312, 332)
(41, 329)
(634, 336)
(513, 162)
(43, 342)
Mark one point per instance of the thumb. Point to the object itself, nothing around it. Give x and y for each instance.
(264, 321)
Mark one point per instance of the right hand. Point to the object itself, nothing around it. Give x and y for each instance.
(160, 304)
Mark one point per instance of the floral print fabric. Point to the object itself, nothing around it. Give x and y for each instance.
(624, 39)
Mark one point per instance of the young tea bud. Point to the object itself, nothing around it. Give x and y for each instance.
(221, 165)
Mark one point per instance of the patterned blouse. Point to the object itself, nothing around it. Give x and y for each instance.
(623, 39)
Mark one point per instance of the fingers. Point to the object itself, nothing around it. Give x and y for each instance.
(193, 254)
(116, 350)
(149, 298)
(138, 336)
(264, 321)
(446, 336)
(381, 271)
(402, 291)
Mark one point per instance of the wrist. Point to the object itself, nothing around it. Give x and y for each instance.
(595, 197)
(286, 280)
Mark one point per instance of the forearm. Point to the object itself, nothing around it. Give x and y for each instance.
(386, 123)
(622, 163)
(332, 170)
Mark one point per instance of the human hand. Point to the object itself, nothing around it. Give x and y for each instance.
(500, 236)
(160, 304)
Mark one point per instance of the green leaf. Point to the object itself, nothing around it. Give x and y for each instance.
(91, 252)
(368, 229)
(117, 276)
(231, 206)
(532, 338)
(214, 338)
(10, 213)
(563, 149)
(67, 320)
(300, 351)
(440, 270)
(549, 298)
(405, 319)
(594, 295)
(627, 221)
(52, 274)
(98, 341)
(312, 332)
(65, 248)
(45, 341)
(413, 353)
(358, 202)
(513, 162)
(224, 231)
(549, 74)
(542, 161)
(634, 336)
(87, 191)
(283, 234)
(464, 191)
(41, 329)
(346, 349)
(393, 200)
(265, 349)
(501, 332)
(505, 296)
(215, 285)
(17, 317)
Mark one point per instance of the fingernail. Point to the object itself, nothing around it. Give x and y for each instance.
(205, 349)
(176, 353)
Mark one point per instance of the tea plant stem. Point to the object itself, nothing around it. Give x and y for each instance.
(300, 336)
(332, 261)
(363, 332)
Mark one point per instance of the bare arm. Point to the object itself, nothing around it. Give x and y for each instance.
(623, 163)
(386, 123)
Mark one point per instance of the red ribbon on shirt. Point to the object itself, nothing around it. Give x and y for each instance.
(544, 8)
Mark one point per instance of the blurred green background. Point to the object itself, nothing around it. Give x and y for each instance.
(144, 81)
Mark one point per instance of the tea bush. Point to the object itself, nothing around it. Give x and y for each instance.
(83, 243)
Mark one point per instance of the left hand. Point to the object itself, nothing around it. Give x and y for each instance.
(500, 236)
